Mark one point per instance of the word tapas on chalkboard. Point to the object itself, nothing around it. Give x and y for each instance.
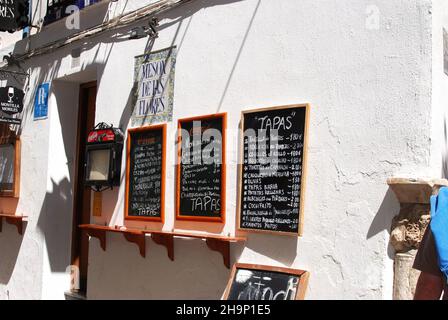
(201, 169)
(257, 282)
(272, 169)
(145, 173)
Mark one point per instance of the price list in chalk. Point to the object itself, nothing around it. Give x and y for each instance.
(201, 174)
(145, 178)
(272, 169)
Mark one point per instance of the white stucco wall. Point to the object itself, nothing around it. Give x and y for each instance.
(439, 149)
(21, 262)
(369, 87)
(7, 40)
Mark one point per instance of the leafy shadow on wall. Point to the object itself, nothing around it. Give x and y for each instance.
(383, 218)
(56, 214)
(10, 243)
(56, 225)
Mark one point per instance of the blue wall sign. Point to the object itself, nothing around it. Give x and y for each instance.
(41, 102)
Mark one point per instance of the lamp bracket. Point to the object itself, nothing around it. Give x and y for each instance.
(103, 125)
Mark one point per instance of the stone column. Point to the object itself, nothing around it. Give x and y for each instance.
(408, 228)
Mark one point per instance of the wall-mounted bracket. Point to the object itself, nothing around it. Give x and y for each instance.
(99, 232)
(96, 233)
(18, 221)
(138, 239)
(221, 246)
(217, 243)
(166, 240)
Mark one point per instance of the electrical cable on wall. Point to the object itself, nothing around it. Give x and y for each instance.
(146, 12)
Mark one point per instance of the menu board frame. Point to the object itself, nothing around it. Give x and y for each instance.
(222, 217)
(304, 168)
(128, 168)
(14, 192)
(301, 274)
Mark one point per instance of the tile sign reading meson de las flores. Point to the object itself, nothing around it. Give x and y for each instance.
(154, 87)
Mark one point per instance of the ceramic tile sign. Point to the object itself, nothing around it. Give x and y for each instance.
(145, 173)
(257, 282)
(272, 169)
(201, 169)
(154, 87)
(41, 102)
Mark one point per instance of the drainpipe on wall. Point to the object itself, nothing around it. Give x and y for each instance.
(26, 31)
(408, 228)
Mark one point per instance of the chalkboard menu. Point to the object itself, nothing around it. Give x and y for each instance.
(272, 169)
(7, 154)
(255, 282)
(145, 185)
(201, 168)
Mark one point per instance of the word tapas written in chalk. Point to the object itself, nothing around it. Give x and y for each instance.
(145, 185)
(201, 168)
(272, 169)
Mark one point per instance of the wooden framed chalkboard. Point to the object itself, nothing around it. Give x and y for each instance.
(272, 169)
(145, 173)
(258, 282)
(10, 159)
(201, 168)
(10, 169)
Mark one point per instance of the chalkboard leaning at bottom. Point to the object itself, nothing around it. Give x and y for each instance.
(259, 282)
(145, 173)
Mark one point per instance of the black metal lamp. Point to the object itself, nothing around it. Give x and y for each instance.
(103, 157)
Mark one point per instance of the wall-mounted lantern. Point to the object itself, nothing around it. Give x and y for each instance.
(103, 157)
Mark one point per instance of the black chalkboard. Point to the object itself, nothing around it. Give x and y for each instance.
(146, 173)
(254, 283)
(201, 169)
(272, 169)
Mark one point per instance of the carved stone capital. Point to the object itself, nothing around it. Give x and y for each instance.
(409, 226)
